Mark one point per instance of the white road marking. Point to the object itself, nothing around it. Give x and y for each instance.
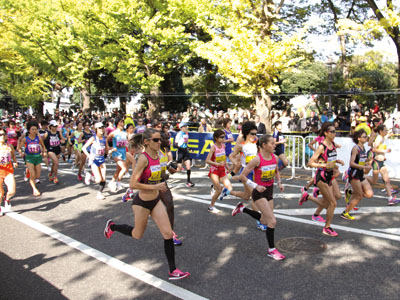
(389, 230)
(299, 220)
(111, 261)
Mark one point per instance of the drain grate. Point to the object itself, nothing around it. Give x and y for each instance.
(301, 245)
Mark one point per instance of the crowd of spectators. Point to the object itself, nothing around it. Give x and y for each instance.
(205, 120)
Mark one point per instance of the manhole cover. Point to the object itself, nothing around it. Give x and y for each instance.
(301, 245)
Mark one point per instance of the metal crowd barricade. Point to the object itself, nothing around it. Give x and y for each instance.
(295, 153)
(307, 153)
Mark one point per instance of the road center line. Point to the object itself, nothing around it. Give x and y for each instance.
(109, 260)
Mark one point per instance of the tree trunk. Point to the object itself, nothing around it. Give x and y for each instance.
(154, 102)
(343, 59)
(263, 109)
(86, 100)
(39, 107)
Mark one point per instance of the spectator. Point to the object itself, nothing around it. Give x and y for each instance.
(376, 107)
(204, 127)
(324, 116)
(260, 126)
(302, 122)
(285, 121)
(275, 118)
(313, 120)
(292, 123)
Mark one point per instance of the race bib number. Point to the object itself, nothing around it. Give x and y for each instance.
(5, 157)
(163, 166)
(332, 159)
(249, 158)
(100, 151)
(268, 172)
(220, 157)
(11, 134)
(155, 174)
(54, 141)
(122, 143)
(33, 148)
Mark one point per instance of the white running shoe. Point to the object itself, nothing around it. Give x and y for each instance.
(7, 205)
(119, 185)
(112, 186)
(100, 196)
(127, 175)
(37, 180)
(87, 178)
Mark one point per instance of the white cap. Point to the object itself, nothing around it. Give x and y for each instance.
(98, 125)
(53, 123)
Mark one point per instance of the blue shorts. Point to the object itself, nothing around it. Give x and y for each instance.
(249, 176)
(99, 161)
(120, 153)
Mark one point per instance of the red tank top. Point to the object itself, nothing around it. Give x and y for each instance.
(152, 173)
(264, 174)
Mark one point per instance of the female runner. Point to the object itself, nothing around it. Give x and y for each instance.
(77, 146)
(7, 155)
(12, 134)
(378, 165)
(83, 138)
(98, 149)
(53, 141)
(247, 150)
(147, 179)
(325, 159)
(120, 141)
(216, 158)
(33, 148)
(265, 166)
(280, 145)
(358, 165)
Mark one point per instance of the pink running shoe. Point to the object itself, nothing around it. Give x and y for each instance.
(107, 231)
(238, 209)
(80, 177)
(303, 189)
(178, 274)
(318, 219)
(275, 254)
(329, 231)
(303, 198)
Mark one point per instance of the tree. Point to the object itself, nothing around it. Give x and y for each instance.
(247, 47)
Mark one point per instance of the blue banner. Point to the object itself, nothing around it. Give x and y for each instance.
(199, 143)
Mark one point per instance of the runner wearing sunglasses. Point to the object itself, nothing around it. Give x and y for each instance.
(147, 179)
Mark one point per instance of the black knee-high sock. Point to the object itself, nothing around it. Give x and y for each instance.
(270, 237)
(102, 184)
(124, 229)
(170, 253)
(255, 214)
(188, 175)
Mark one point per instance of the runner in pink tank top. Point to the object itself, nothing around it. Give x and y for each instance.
(147, 179)
(265, 170)
(216, 159)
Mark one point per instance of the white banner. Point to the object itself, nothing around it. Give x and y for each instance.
(392, 159)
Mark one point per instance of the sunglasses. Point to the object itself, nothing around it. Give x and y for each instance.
(221, 137)
(332, 131)
(364, 137)
(156, 140)
(253, 133)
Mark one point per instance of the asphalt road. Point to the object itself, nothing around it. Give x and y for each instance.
(53, 247)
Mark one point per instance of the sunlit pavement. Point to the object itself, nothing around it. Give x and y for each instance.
(53, 247)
